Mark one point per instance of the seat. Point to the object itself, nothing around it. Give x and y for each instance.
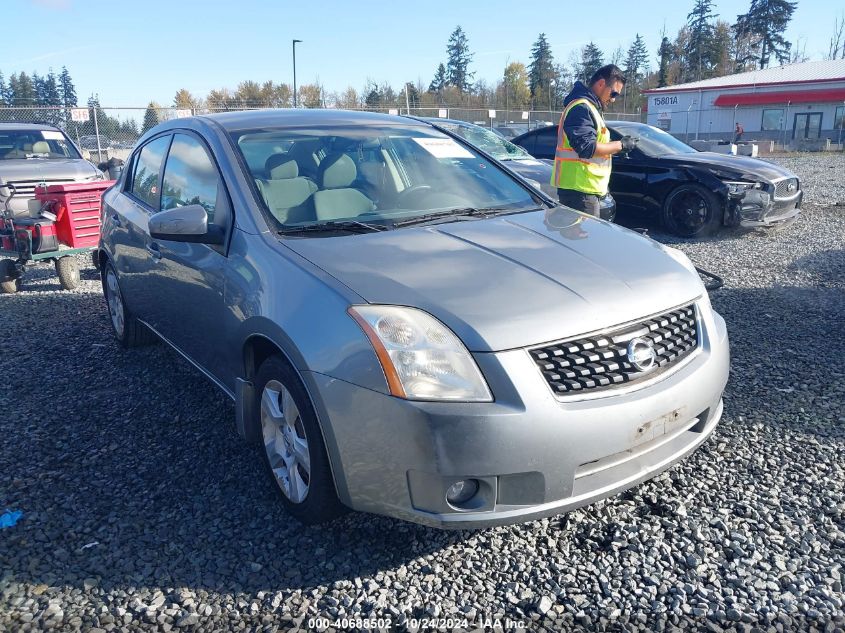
(288, 195)
(336, 199)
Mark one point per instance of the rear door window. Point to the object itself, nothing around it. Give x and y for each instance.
(147, 172)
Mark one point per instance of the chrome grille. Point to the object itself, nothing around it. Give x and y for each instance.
(599, 362)
(26, 188)
(782, 188)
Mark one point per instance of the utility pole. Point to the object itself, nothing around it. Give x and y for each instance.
(294, 70)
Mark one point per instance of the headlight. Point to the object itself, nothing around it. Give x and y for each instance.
(422, 359)
(741, 187)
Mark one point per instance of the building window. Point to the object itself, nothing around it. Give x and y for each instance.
(839, 118)
(772, 120)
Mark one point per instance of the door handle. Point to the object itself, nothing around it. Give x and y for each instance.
(152, 249)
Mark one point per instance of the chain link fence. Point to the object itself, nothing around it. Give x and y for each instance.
(104, 132)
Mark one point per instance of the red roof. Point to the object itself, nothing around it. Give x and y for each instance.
(787, 96)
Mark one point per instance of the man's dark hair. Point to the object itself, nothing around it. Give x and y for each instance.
(610, 73)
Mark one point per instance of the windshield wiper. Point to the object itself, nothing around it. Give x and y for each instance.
(460, 213)
(353, 226)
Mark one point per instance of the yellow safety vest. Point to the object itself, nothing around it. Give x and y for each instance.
(588, 175)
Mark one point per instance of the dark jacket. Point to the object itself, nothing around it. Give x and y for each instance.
(579, 125)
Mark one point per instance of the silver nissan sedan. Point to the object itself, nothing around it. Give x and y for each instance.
(405, 326)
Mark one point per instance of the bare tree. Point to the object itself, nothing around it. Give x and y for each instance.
(837, 40)
(798, 51)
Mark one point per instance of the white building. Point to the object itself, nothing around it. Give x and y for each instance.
(790, 104)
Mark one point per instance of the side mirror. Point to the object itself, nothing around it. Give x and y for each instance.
(185, 224)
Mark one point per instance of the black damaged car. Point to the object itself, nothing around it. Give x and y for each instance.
(692, 192)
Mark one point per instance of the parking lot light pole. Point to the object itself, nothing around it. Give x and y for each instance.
(294, 71)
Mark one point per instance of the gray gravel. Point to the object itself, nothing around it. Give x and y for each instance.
(143, 510)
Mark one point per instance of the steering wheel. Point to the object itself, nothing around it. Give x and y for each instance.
(409, 194)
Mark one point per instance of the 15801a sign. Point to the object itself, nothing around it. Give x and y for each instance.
(661, 101)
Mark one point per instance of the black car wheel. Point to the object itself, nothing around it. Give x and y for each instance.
(692, 211)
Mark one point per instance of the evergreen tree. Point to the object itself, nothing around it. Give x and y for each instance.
(768, 20)
(413, 95)
(51, 90)
(636, 61)
(39, 88)
(665, 53)
(591, 60)
(373, 98)
(541, 70)
(150, 117)
(700, 26)
(439, 81)
(457, 64)
(67, 91)
(3, 90)
(24, 93)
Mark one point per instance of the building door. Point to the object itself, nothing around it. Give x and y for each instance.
(807, 125)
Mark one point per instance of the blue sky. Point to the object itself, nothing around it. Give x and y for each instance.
(133, 52)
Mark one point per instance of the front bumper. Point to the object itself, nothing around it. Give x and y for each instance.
(532, 454)
(760, 210)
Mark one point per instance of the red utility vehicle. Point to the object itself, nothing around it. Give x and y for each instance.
(65, 221)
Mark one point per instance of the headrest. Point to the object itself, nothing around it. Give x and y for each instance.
(41, 147)
(279, 166)
(336, 172)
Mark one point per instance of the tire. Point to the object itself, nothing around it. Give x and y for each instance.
(292, 445)
(11, 281)
(67, 269)
(126, 328)
(691, 210)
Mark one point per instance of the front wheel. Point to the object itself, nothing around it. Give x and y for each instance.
(293, 447)
(10, 281)
(67, 269)
(692, 211)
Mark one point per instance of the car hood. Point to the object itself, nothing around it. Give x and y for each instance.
(46, 169)
(743, 166)
(512, 281)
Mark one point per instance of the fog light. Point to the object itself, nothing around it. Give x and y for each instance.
(462, 491)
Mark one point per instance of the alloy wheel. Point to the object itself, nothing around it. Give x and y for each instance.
(285, 441)
(115, 303)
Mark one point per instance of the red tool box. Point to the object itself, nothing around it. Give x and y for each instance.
(77, 210)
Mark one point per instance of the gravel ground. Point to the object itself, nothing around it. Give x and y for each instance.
(143, 510)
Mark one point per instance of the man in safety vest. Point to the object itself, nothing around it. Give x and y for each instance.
(584, 149)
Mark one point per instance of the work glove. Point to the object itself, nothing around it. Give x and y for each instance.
(629, 143)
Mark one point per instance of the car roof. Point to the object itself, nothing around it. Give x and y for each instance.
(9, 125)
(612, 123)
(457, 122)
(251, 119)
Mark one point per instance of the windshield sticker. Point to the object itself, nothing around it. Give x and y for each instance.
(443, 148)
(52, 136)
